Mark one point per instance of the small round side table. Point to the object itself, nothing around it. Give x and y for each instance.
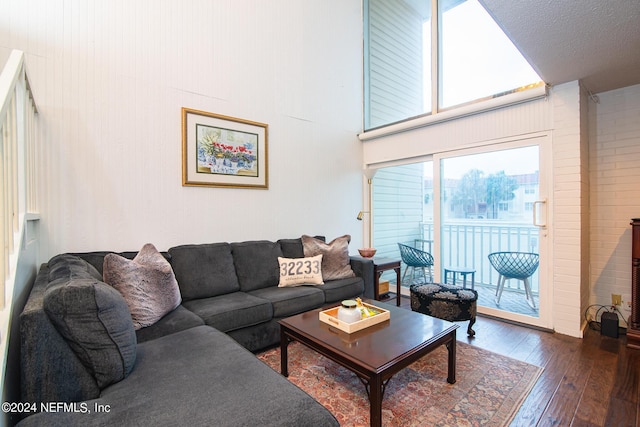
(463, 272)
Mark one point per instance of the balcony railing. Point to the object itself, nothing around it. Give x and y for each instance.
(468, 244)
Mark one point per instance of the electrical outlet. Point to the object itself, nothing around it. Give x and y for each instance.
(626, 302)
(616, 299)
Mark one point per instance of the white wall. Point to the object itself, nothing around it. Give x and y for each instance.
(110, 79)
(570, 210)
(457, 133)
(614, 164)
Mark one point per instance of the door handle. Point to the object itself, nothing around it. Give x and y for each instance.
(536, 220)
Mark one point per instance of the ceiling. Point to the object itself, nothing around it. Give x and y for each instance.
(594, 41)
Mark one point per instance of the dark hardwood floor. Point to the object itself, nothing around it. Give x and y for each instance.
(594, 381)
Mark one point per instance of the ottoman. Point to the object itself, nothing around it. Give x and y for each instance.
(446, 302)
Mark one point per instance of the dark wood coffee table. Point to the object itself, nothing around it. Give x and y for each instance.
(376, 353)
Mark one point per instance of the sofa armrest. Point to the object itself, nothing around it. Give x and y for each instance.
(363, 268)
(51, 371)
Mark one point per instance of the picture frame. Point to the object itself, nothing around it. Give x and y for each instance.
(223, 151)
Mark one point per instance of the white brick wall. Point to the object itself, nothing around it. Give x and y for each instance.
(569, 209)
(614, 163)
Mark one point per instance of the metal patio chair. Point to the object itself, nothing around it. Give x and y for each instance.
(415, 258)
(515, 265)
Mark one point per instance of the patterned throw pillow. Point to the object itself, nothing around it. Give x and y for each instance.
(147, 284)
(300, 271)
(335, 256)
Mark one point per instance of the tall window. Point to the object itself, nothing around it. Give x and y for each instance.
(473, 58)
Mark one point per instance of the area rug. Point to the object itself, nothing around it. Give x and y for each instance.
(488, 392)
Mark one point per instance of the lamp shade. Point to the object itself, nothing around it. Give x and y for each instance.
(369, 172)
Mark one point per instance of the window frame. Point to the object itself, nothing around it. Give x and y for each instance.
(459, 110)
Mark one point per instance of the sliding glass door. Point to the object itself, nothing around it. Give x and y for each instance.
(462, 206)
(492, 227)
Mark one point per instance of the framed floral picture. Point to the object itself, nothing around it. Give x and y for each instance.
(222, 151)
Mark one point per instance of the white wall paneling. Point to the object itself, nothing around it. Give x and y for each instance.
(111, 77)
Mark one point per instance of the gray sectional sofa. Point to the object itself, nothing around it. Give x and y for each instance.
(195, 365)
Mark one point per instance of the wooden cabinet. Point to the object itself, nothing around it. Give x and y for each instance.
(633, 330)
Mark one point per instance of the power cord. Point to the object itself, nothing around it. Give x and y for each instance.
(594, 323)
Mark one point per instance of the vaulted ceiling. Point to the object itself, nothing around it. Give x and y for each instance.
(594, 41)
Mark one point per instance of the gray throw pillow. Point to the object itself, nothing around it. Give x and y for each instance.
(94, 320)
(147, 283)
(292, 248)
(335, 256)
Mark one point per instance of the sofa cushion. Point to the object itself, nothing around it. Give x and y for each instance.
(257, 264)
(176, 321)
(341, 289)
(335, 256)
(198, 377)
(147, 283)
(65, 267)
(231, 311)
(300, 271)
(290, 301)
(94, 319)
(291, 248)
(204, 270)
